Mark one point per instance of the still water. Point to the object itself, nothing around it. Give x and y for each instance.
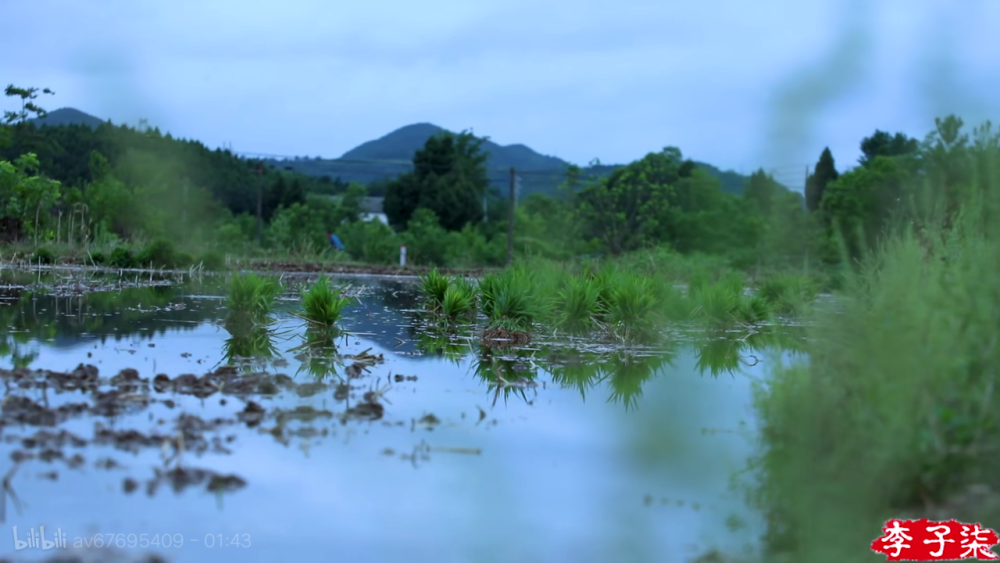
(578, 452)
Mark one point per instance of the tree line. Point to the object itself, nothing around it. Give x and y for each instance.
(122, 183)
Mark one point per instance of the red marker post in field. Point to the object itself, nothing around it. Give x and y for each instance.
(927, 540)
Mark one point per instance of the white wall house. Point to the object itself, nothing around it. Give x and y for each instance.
(371, 209)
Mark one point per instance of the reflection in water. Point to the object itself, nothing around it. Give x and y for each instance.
(288, 435)
(628, 372)
(250, 345)
(514, 372)
(318, 352)
(728, 353)
(453, 344)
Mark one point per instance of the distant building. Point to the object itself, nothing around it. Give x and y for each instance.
(371, 209)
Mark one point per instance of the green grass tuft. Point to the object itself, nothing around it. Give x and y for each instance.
(508, 300)
(787, 294)
(576, 305)
(323, 304)
(632, 307)
(252, 296)
(459, 299)
(433, 286)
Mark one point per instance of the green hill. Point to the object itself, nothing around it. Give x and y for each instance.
(67, 116)
(389, 156)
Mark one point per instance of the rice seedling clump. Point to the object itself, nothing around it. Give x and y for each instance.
(323, 304)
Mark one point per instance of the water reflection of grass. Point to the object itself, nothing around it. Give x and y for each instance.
(727, 352)
(572, 368)
(319, 352)
(445, 342)
(250, 345)
(626, 373)
(514, 373)
(624, 370)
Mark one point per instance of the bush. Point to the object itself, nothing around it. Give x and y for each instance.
(122, 257)
(894, 413)
(43, 255)
(183, 260)
(160, 253)
(371, 242)
(426, 241)
(212, 261)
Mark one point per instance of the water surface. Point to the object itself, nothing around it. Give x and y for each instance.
(589, 453)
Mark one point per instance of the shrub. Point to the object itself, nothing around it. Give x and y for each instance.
(787, 293)
(212, 260)
(43, 255)
(121, 257)
(160, 253)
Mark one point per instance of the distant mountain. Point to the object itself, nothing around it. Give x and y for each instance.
(403, 142)
(389, 156)
(67, 116)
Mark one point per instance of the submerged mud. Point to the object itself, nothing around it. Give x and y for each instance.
(47, 400)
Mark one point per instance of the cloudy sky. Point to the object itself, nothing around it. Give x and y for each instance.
(738, 84)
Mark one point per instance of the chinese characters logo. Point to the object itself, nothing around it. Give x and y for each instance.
(926, 540)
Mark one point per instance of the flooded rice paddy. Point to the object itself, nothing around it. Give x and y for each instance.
(132, 415)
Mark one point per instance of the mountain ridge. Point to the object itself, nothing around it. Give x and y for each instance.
(390, 155)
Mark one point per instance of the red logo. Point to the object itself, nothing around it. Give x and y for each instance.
(926, 540)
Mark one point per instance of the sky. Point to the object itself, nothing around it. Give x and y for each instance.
(741, 85)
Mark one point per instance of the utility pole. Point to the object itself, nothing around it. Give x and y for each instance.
(510, 220)
(260, 202)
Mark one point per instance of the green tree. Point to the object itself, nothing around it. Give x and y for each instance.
(761, 191)
(28, 106)
(629, 209)
(781, 228)
(352, 203)
(25, 194)
(884, 144)
(111, 204)
(448, 178)
(302, 228)
(824, 173)
(949, 163)
(859, 203)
